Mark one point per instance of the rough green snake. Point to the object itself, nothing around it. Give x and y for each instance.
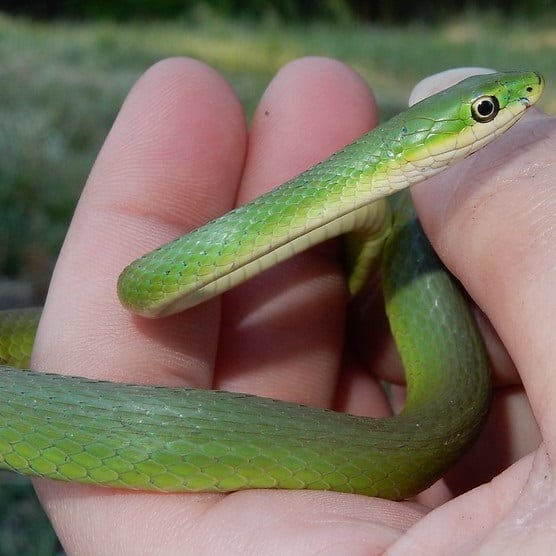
(169, 439)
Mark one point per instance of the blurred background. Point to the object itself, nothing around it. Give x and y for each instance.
(66, 67)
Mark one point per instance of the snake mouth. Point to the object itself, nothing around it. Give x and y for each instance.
(526, 102)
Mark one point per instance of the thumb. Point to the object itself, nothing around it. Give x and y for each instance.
(440, 81)
(492, 219)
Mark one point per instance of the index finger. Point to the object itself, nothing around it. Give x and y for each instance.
(172, 161)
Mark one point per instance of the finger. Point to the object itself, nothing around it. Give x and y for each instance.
(490, 220)
(172, 161)
(504, 369)
(440, 81)
(283, 331)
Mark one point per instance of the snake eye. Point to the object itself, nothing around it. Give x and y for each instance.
(484, 109)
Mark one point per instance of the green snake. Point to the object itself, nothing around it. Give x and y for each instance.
(177, 440)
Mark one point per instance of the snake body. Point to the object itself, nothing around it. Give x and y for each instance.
(170, 439)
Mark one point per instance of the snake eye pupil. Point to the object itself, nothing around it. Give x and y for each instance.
(484, 109)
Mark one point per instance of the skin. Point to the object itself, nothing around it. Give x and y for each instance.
(179, 154)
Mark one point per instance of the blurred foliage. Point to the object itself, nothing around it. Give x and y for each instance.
(384, 11)
(24, 527)
(63, 83)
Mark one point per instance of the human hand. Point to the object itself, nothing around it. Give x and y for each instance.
(492, 221)
(178, 155)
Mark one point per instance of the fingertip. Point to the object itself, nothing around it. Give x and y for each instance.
(442, 80)
(312, 107)
(181, 133)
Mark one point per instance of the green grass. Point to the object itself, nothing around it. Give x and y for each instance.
(24, 528)
(62, 85)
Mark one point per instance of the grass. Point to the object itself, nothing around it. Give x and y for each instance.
(24, 528)
(62, 85)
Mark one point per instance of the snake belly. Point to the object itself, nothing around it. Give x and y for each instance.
(179, 440)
